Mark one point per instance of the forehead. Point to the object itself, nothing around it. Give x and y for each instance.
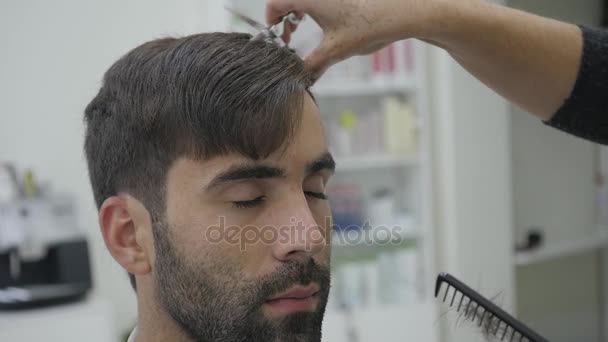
(309, 139)
(308, 143)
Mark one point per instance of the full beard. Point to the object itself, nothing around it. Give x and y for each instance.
(214, 303)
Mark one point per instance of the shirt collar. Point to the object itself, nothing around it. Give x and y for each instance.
(132, 336)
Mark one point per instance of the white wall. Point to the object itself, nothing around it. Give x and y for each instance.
(473, 182)
(554, 189)
(52, 59)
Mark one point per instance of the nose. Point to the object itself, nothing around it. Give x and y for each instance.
(300, 235)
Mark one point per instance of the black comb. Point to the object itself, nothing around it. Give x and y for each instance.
(498, 323)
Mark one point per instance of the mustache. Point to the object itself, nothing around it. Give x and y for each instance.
(290, 274)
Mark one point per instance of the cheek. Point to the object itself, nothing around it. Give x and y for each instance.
(236, 244)
(199, 235)
(215, 237)
(216, 261)
(323, 257)
(191, 233)
(322, 214)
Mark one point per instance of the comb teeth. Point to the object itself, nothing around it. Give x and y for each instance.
(493, 320)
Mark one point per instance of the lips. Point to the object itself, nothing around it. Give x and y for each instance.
(297, 299)
(298, 292)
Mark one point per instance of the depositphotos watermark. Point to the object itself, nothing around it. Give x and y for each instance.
(299, 233)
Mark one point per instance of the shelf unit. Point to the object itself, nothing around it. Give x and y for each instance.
(371, 162)
(358, 88)
(347, 253)
(388, 324)
(88, 320)
(421, 314)
(592, 241)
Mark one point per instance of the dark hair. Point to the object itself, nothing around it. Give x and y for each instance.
(198, 96)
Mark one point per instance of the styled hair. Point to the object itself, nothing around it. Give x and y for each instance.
(197, 96)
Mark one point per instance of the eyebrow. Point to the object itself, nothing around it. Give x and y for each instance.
(248, 171)
(325, 162)
(245, 172)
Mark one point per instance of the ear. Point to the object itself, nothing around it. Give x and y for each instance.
(126, 228)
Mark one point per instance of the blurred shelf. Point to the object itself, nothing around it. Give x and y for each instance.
(405, 322)
(90, 320)
(589, 242)
(361, 88)
(375, 162)
(360, 246)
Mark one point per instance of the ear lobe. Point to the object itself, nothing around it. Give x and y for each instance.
(118, 225)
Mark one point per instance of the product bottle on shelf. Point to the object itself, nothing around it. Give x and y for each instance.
(399, 127)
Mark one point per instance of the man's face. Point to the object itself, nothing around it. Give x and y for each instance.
(242, 252)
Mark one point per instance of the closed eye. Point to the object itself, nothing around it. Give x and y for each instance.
(249, 204)
(318, 195)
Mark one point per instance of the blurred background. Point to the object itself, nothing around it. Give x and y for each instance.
(457, 179)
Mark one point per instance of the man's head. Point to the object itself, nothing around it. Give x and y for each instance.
(208, 162)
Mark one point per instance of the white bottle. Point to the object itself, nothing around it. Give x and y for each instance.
(351, 285)
(399, 127)
(369, 284)
(381, 209)
(407, 275)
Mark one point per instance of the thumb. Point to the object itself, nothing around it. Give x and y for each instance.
(320, 59)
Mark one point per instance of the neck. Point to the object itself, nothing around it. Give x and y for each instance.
(153, 323)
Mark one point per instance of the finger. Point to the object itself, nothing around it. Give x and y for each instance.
(277, 9)
(317, 74)
(289, 29)
(373, 48)
(319, 60)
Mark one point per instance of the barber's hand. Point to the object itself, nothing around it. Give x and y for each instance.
(355, 27)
